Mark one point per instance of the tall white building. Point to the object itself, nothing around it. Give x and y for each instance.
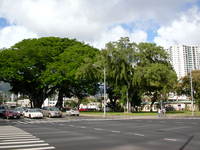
(184, 58)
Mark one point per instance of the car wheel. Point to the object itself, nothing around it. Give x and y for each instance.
(30, 116)
(77, 114)
(49, 116)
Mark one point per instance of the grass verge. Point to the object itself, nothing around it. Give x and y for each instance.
(173, 113)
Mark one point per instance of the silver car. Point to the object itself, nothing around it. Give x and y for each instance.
(72, 112)
(51, 112)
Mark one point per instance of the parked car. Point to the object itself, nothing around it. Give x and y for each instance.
(33, 113)
(2, 109)
(169, 108)
(51, 112)
(20, 110)
(72, 112)
(10, 113)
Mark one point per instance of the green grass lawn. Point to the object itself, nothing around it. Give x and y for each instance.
(122, 113)
(173, 113)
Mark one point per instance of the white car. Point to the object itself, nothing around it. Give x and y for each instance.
(33, 113)
(72, 112)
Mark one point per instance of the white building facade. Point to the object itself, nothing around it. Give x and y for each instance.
(184, 58)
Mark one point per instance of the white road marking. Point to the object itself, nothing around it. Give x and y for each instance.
(115, 131)
(22, 142)
(71, 125)
(14, 138)
(167, 139)
(23, 122)
(5, 136)
(39, 148)
(98, 129)
(138, 134)
(82, 127)
(29, 145)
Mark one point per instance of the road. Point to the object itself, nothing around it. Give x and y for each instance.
(100, 134)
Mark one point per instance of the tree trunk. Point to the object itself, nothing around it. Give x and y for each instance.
(80, 99)
(37, 103)
(113, 104)
(31, 102)
(59, 103)
(152, 102)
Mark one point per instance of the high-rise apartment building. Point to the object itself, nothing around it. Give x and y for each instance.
(184, 58)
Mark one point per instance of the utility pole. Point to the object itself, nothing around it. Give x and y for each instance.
(104, 74)
(127, 101)
(192, 97)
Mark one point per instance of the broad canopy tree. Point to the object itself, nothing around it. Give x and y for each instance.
(26, 66)
(70, 73)
(184, 86)
(154, 72)
(140, 69)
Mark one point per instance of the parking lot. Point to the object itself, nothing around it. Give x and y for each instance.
(77, 133)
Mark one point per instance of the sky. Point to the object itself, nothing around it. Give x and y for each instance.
(97, 22)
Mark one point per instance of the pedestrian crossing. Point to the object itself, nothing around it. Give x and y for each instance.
(17, 139)
(26, 122)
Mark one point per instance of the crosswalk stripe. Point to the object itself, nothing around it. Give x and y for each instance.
(2, 136)
(29, 145)
(22, 122)
(23, 142)
(39, 148)
(15, 140)
(7, 138)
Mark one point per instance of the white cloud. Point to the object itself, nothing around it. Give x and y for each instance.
(87, 20)
(185, 30)
(13, 34)
(115, 33)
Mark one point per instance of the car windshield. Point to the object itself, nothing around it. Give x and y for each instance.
(19, 108)
(34, 110)
(9, 109)
(53, 109)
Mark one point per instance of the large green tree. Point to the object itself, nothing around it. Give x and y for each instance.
(71, 73)
(140, 69)
(118, 58)
(154, 73)
(184, 86)
(24, 65)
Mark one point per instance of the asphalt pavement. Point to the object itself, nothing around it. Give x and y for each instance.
(82, 133)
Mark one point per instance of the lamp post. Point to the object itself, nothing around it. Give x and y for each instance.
(192, 97)
(104, 89)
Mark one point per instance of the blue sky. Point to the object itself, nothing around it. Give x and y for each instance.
(3, 22)
(100, 21)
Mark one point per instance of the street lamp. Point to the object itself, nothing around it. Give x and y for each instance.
(192, 97)
(104, 89)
